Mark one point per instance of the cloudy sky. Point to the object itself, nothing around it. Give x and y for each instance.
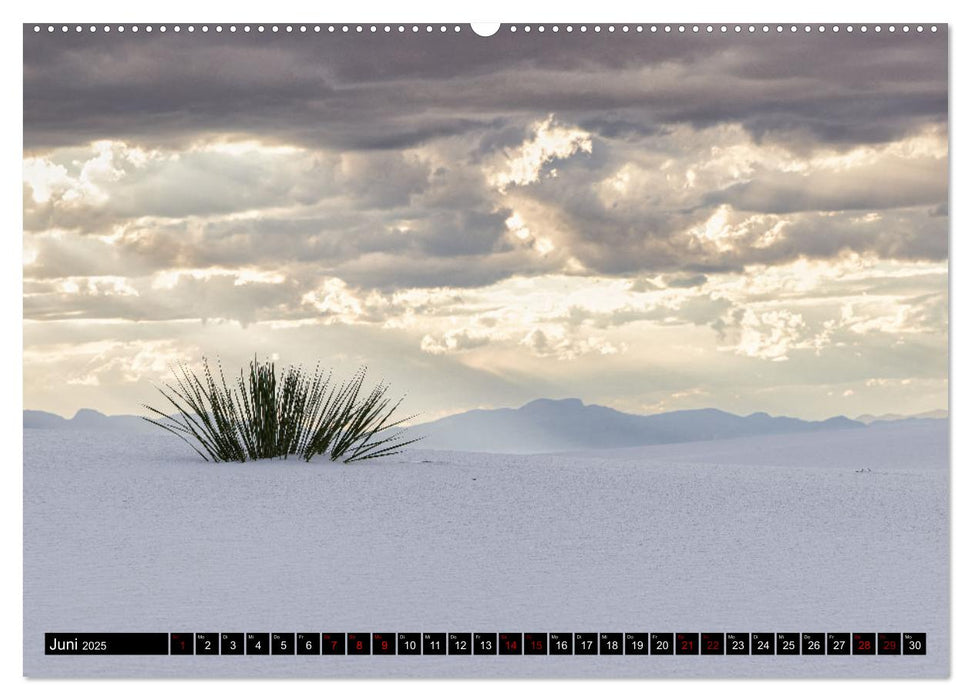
(645, 221)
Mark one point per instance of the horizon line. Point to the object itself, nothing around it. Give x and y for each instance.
(876, 416)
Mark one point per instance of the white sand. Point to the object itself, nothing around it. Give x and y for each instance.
(135, 533)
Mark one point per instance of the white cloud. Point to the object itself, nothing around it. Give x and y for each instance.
(453, 341)
(555, 341)
(105, 285)
(169, 279)
(335, 300)
(771, 335)
(448, 253)
(81, 178)
(523, 165)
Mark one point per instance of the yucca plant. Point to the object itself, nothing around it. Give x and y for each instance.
(263, 415)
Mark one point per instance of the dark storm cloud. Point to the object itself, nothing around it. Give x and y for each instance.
(389, 91)
(628, 248)
(900, 234)
(890, 183)
(333, 239)
(376, 159)
(644, 220)
(679, 282)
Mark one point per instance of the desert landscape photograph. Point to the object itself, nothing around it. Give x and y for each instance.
(583, 328)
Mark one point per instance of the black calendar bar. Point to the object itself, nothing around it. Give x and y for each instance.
(112, 643)
(282, 644)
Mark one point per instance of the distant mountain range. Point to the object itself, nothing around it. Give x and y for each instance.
(548, 425)
(86, 419)
(894, 417)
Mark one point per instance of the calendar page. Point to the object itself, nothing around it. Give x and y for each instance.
(511, 351)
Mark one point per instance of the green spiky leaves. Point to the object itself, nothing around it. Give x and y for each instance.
(263, 415)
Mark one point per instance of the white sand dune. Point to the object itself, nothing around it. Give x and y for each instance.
(135, 533)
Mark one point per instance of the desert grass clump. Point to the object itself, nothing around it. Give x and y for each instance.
(263, 414)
